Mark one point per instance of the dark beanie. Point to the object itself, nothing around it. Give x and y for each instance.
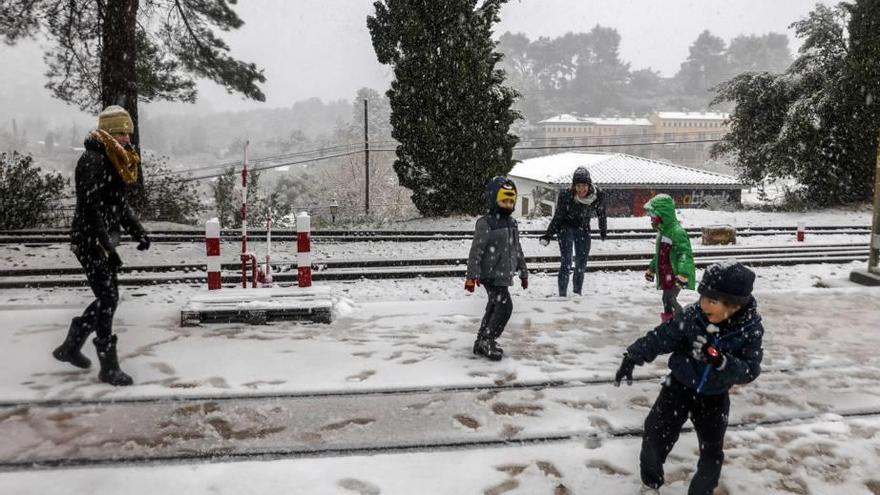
(729, 282)
(581, 176)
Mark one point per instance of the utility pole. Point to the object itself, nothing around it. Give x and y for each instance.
(366, 162)
(872, 276)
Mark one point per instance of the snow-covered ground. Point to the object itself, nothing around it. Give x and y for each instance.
(820, 364)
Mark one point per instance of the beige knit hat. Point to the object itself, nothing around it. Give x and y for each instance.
(115, 120)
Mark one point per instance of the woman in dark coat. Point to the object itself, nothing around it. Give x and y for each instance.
(106, 168)
(575, 206)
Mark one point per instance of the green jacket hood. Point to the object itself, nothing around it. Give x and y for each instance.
(664, 206)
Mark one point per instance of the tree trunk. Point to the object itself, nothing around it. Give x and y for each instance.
(118, 69)
(119, 58)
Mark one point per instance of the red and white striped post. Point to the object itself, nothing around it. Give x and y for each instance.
(801, 231)
(246, 257)
(303, 250)
(212, 245)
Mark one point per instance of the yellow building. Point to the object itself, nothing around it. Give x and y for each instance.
(596, 133)
(660, 135)
(703, 127)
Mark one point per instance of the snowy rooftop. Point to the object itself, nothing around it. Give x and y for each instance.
(574, 119)
(693, 115)
(617, 169)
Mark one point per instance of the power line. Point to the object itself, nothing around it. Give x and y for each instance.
(278, 165)
(359, 151)
(261, 159)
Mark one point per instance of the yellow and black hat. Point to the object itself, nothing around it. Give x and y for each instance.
(506, 191)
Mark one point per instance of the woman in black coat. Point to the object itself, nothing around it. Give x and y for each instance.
(575, 207)
(106, 168)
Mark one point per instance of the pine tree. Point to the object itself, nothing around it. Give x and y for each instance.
(28, 198)
(174, 199)
(818, 121)
(449, 109)
(223, 190)
(117, 53)
(226, 190)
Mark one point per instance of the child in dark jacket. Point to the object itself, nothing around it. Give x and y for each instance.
(715, 344)
(495, 258)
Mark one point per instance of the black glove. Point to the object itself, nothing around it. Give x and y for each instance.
(627, 365)
(545, 240)
(708, 353)
(114, 260)
(681, 281)
(144, 244)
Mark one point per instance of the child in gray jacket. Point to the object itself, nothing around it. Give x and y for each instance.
(495, 258)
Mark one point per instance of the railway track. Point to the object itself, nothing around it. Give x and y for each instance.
(428, 267)
(47, 237)
(173, 430)
(533, 385)
(277, 453)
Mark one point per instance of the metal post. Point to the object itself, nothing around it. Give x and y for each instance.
(366, 162)
(244, 258)
(874, 256)
(872, 275)
(267, 275)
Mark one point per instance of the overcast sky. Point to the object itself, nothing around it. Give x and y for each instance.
(322, 47)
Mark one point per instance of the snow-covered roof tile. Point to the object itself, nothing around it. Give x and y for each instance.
(617, 170)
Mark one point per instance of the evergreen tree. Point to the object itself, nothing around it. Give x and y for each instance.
(752, 53)
(223, 190)
(601, 75)
(226, 190)
(705, 67)
(172, 199)
(28, 198)
(863, 66)
(116, 53)
(817, 122)
(449, 109)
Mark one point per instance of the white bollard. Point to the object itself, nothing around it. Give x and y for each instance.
(303, 250)
(212, 246)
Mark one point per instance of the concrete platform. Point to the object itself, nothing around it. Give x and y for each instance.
(258, 306)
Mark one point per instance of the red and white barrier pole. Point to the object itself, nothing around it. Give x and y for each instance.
(212, 245)
(801, 231)
(303, 250)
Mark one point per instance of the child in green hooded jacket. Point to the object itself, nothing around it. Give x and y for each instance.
(672, 267)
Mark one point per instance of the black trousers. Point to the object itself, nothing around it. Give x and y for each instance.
(670, 300)
(98, 316)
(498, 310)
(662, 426)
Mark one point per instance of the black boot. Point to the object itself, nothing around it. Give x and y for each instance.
(485, 346)
(70, 350)
(110, 372)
